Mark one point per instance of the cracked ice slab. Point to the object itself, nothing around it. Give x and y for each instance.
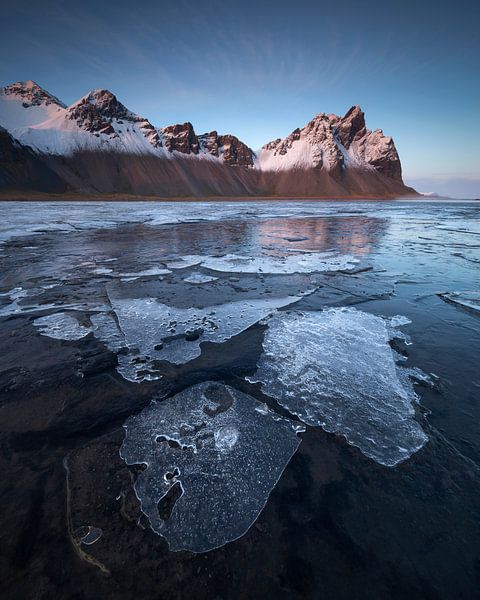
(336, 369)
(221, 448)
(154, 331)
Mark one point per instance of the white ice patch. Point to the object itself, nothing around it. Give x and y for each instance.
(14, 296)
(152, 271)
(183, 262)
(198, 278)
(102, 271)
(308, 262)
(470, 300)
(61, 326)
(335, 369)
(223, 456)
(153, 331)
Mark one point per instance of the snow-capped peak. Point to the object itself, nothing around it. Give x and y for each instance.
(30, 93)
(103, 101)
(25, 103)
(333, 143)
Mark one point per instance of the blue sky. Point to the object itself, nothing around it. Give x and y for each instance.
(258, 69)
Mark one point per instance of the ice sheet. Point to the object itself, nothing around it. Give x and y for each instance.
(335, 369)
(222, 456)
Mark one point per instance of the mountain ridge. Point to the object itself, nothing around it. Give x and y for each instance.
(97, 145)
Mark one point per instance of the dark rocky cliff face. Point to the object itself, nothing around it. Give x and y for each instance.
(181, 138)
(234, 152)
(351, 127)
(22, 169)
(209, 143)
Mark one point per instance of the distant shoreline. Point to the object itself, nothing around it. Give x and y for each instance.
(16, 196)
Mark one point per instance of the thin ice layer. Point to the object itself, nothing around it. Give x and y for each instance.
(308, 262)
(469, 300)
(199, 278)
(220, 453)
(61, 326)
(154, 331)
(335, 369)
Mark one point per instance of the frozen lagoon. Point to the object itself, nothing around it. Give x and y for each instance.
(155, 298)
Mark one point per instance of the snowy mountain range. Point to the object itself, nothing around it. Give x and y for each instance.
(98, 146)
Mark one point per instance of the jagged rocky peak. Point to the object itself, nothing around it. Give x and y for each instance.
(100, 111)
(95, 111)
(333, 143)
(351, 127)
(31, 94)
(104, 102)
(209, 143)
(232, 151)
(313, 146)
(380, 152)
(181, 138)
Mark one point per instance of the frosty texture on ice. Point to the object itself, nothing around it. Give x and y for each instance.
(335, 369)
(224, 454)
(61, 326)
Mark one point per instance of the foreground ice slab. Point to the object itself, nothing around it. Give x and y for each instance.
(220, 450)
(61, 326)
(153, 331)
(335, 369)
(469, 300)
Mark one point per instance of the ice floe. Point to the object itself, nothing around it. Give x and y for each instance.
(467, 299)
(211, 451)
(183, 262)
(153, 331)
(308, 262)
(61, 326)
(14, 296)
(336, 369)
(199, 278)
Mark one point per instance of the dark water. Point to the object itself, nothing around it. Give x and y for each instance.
(337, 524)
